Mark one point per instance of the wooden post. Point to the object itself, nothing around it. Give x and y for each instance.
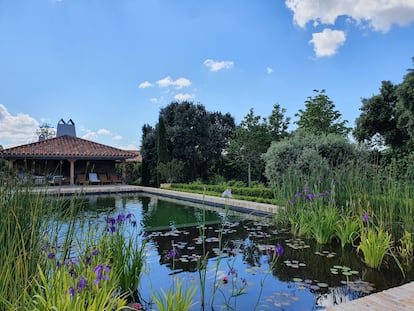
(72, 172)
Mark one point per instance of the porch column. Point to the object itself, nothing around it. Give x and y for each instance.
(72, 172)
(11, 162)
(123, 166)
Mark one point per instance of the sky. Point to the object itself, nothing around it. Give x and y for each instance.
(110, 66)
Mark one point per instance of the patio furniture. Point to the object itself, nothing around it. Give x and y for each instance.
(81, 179)
(115, 179)
(93, 178)
(55, 180)
(104, 179)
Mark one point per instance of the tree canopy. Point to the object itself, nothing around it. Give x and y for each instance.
(388, 117)
(320, 116)
(192, 136)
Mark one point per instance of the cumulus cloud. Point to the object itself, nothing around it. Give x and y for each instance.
(117, 137)
(104, 132)
(16, 129)
(154, 100)
(90, 136)
(380, 15)
(327, 42)
(269, 70)
(215, 66)
(178, 84)
(145, 85)
(183, 97)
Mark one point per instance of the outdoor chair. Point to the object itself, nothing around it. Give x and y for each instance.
(115, 179)
(55, 180)
(93, 178)
(104, 179)
(81, 179)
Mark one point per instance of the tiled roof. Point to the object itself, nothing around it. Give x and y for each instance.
(66, 147)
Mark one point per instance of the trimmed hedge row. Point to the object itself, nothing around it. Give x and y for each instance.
(263, 193)
(217, 194)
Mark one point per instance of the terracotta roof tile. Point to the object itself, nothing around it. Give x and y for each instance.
(67, 147)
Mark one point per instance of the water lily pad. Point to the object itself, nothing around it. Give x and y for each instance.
(322, 284)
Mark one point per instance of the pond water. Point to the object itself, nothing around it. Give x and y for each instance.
(306, 276)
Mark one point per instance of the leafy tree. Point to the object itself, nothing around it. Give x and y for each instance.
(405, 93)
(308, 156)
(377, 124)
(193, 136)
(162, 152)
(46, 131)
(171, 171)
(148, 153)
(320, 116)
(252, 138)
(278, 123)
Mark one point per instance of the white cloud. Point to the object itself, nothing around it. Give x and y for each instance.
(90, 136)
(327, 42)
(379, 14)
(269, 70)
(104, 132)
(215, 66)
(178, 84)
(183, 97)
(16, 129)
(154, 100)
(145, 85)
(117, 137)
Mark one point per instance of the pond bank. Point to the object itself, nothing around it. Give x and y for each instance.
(254, 208)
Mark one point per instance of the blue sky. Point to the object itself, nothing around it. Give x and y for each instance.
(110, 66)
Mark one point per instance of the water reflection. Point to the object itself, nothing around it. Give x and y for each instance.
(307, 277)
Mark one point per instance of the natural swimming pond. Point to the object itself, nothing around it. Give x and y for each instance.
(239, 273)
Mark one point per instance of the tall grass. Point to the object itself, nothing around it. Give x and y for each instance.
(22, 228)
(359, 188)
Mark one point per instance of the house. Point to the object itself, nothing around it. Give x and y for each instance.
(65, 155)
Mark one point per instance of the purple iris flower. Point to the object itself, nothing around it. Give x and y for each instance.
(82, 283)
(111, 221)
(279, 249)
(232, 271)
(365, 217)
(51, 255)
(100, 271)
(172, 253)
(71, 291)
(120, 218)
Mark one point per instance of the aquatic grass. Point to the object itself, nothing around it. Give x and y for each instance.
(127, 254)
(406, 247)
(176, 298)
(77, 284)
(21, 230)
(374, 245)
(347, 229)
(324, 224)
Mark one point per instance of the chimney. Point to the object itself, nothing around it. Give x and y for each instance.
(66, 128)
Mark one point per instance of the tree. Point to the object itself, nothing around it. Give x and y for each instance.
(148, 153)
(278, 123)
(252, 138)
(193, 136)
(320, 116)
(162, 152)
(46, 131)
(171, 171)
(377, 124)
(405, 93)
